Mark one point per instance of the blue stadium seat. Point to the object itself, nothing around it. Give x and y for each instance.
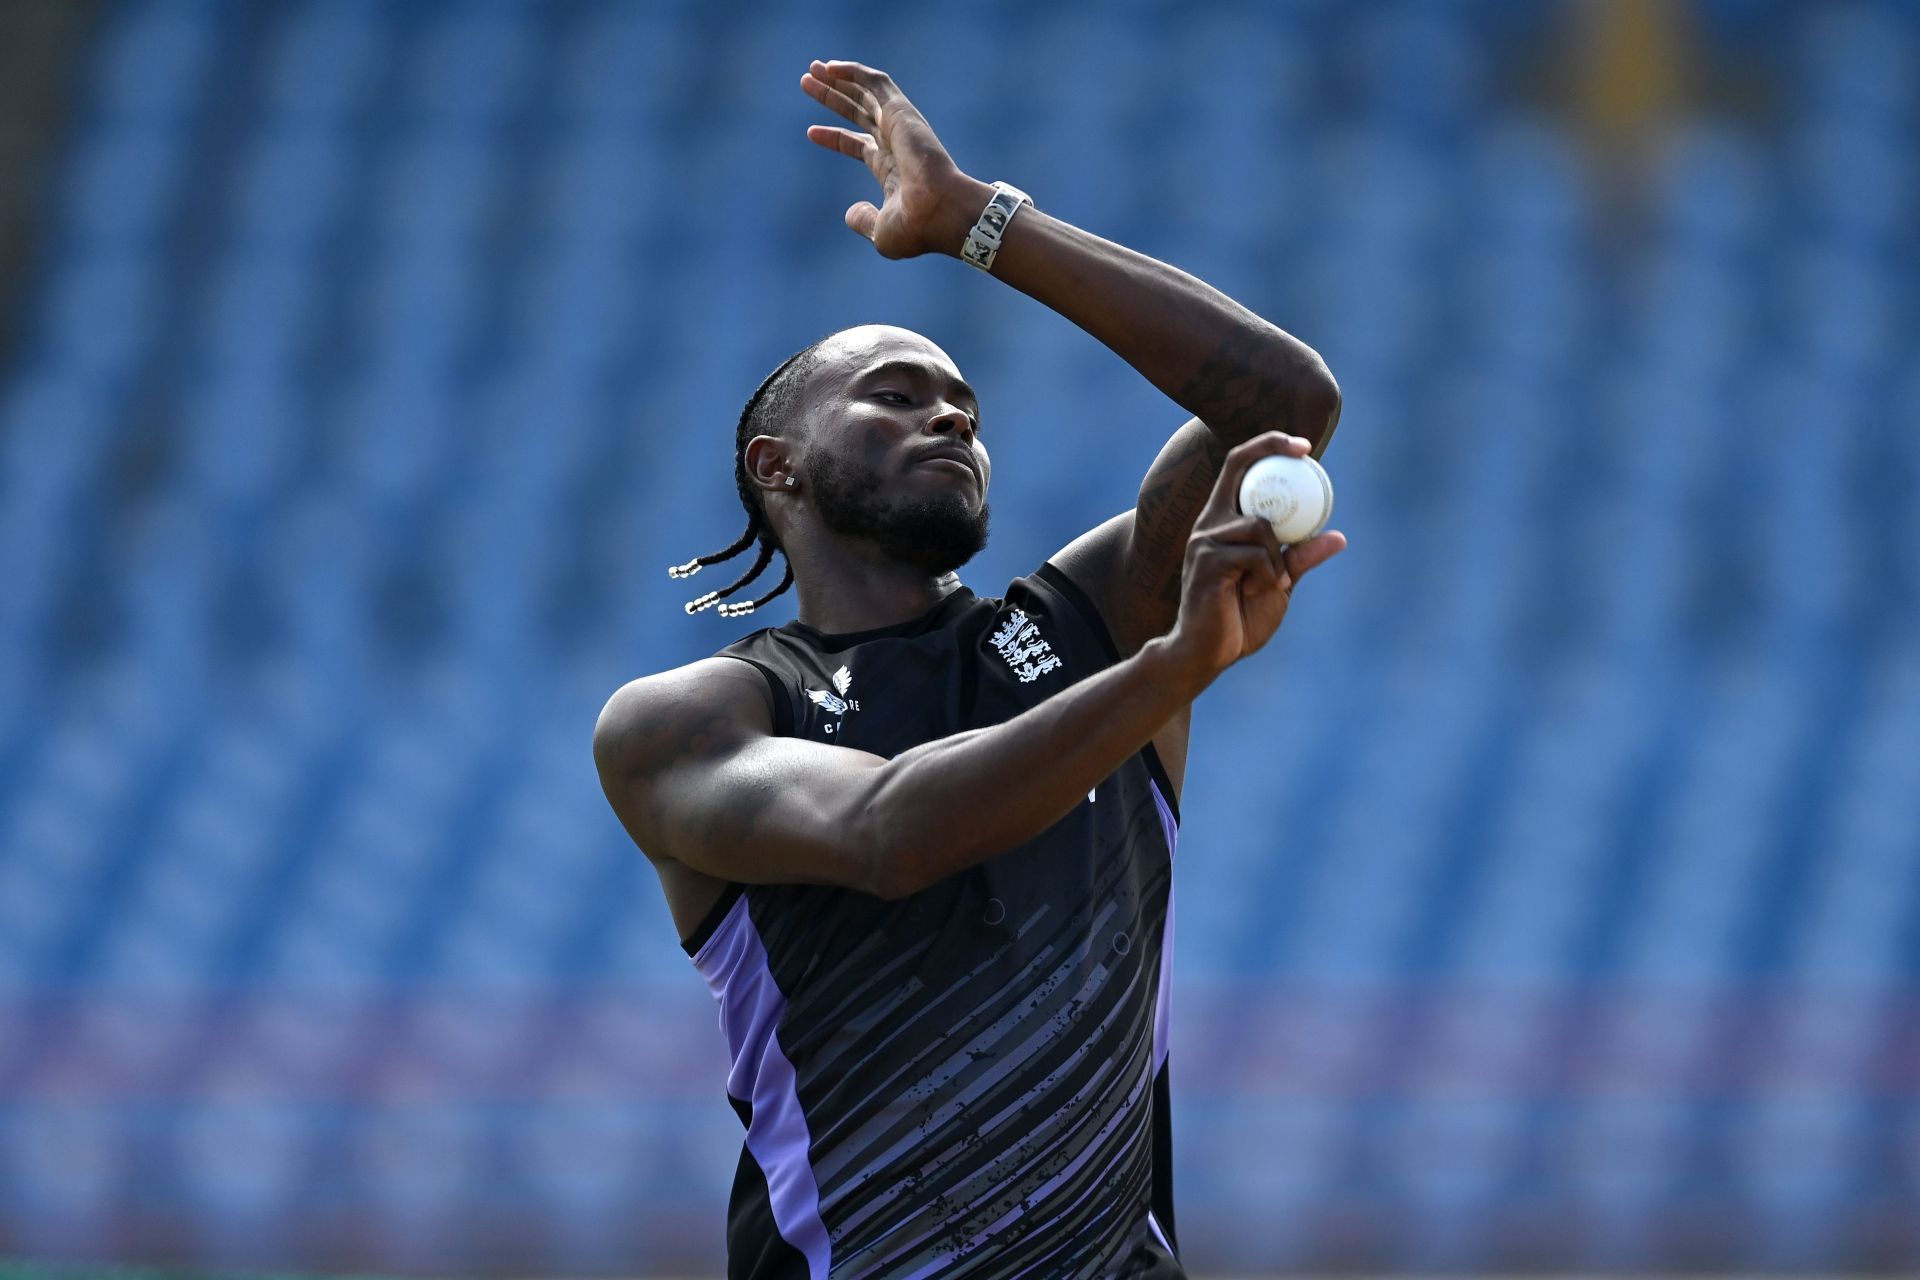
(263, 313)
(293, 188)
(472, 64)
(1419, 69)
(1853, 182)
(155, 63)
(62, 1161)
(125, 183)
(435, 185)
(324, 60)
(241, 441)
(102, 314)
(1714, 186)
(1857, 62)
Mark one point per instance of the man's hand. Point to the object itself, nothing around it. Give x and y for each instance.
(921, 186)
(1237, 579)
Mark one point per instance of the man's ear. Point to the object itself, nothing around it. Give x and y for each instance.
(772, 464)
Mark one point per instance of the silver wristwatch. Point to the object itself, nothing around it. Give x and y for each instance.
(983, 242)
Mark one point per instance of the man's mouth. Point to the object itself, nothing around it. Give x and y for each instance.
(952, 460)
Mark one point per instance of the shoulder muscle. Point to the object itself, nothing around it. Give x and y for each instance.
(689, 762)
(677, 716)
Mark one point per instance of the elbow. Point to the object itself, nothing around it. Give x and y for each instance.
(890, 883)
(879, 854)
(890, 867)
(882, 872)
(1298, 393)
(1317, 404)
(901, 835)
(895, 857)
(885, 847)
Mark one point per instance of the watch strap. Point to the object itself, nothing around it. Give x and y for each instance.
(983, 242)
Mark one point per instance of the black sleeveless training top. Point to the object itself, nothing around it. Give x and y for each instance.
(971, 1081)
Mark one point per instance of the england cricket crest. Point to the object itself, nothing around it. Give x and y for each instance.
(1026, 651)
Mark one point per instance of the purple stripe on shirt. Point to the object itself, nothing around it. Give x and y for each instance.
(1163, 1004)
(734, 963)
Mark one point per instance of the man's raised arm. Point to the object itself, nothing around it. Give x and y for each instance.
(1223, 364)
(1237, 374)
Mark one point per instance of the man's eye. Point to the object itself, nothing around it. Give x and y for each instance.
(896, 397)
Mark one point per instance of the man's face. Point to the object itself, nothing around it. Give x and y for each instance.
(892, 456)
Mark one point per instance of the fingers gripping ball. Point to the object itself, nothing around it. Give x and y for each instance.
(1294, 495)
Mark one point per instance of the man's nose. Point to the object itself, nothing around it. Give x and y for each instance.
(953, 420)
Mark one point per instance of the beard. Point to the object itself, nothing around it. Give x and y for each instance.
(937, 533)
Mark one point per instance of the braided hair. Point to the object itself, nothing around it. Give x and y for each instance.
(771, 405)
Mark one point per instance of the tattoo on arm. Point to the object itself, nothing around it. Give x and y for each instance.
(1237, 392)
(1257, 379)
(1169, 503)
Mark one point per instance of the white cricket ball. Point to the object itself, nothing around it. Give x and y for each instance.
(1294, 494)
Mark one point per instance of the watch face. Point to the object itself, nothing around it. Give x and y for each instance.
(994, 219)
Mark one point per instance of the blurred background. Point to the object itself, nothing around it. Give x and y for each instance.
(1547, 892)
